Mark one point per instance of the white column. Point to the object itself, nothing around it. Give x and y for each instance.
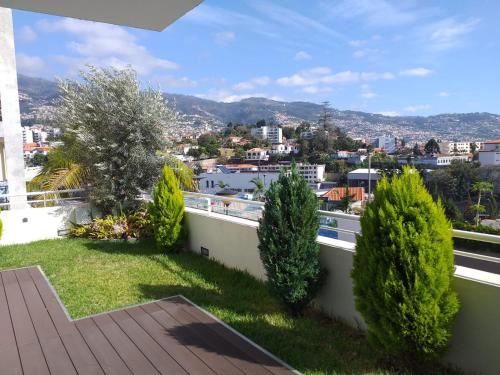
(11, 118)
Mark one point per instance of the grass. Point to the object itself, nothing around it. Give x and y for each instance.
(96, 276)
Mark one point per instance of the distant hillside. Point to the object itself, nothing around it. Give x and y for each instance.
(38, 96)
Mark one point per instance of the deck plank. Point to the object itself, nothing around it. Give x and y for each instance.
(136, 361)
(256, 354)
(239, 358)
(108, 358)
(187, 359)
(160, 358)
(192, 340)
(53, 349)
(30, 352)
(78, 350)
(10, 362)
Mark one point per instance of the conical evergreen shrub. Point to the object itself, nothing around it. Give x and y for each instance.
(167, 211)
(287, 236)
(403, 270)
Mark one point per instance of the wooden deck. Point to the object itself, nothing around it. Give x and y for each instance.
(170, 336)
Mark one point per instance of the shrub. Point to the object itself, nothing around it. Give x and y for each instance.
(135, 225)
(403, 269)
(167, 212)
(287, 236)
(1, 228)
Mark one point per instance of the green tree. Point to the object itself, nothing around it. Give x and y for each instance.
(403, 270)
(38, 160)
(416, 150)
(113, 131)
(287, 241)
(325, 121)
(481, 187)
(167, 212)
(431, 147)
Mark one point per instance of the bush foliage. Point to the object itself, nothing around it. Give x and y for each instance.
(403, 269)
(287, 236)
(167, 212)
(135, 225)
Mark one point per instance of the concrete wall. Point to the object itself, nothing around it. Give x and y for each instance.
(476, 334)
(11, 118)
(33, 224)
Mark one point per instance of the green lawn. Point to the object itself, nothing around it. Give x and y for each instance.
(96, 276)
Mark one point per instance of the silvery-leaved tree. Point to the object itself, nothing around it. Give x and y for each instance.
(113, 132)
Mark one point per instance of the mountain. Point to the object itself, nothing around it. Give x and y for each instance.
(200, 115)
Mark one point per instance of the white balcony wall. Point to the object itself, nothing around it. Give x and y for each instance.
(34, 224)
(476, 334)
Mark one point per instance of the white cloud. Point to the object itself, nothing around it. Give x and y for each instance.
(443, 93)
(366, 92)
(448, 33)
(302, 55)
(365, 52)
(324, 75)
(251, 84)
(225, 38)
(228, 96)
(173, 81)
(316, 89)
(26, 34)
(377, 12)
(291, 19)
(29, 65)
(417, 108)
(105, 45)
(389, 113)
(416, 72)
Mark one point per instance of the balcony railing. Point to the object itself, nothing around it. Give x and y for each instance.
(338, 225)
(52, 198)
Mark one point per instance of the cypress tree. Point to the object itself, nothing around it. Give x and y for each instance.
(167, 211)
(287, 235)
(403, 269)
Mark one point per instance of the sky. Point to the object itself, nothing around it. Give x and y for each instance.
(404, 57)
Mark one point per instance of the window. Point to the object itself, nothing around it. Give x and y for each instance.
(207, 183)
(212, 184)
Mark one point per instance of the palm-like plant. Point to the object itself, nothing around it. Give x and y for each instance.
(259, 187)
(222, 184)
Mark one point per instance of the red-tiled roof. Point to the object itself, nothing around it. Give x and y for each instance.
(336, 194)
(240, 166)
(493, 142)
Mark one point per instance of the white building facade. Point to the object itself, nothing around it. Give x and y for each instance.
(490, 154)
(459, 147)
(273, 134)
(312, 173)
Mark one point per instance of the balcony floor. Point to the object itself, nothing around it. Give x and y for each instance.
(169, 336)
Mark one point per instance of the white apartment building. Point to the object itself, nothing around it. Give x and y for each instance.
(27, 135)
(458, 147)
(236, 180)
(284, 149)
(257, 154)
(388, 143)
(313, 173)
(272, 133)
(490, 154)
(438, 161)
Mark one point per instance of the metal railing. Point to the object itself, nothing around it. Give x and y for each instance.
(51, 198)
(336, 225)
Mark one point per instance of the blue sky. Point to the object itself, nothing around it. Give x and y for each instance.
(408, 57)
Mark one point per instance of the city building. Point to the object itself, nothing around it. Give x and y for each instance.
(332, 198)
(257, 154)
(308, 134)
(490, 153)
(386, 143)
(284, 149)
(273, 134)
(235, 179)
(459, 147)
(313, 173)
(360, 178)
(27, 135)
(437, 160)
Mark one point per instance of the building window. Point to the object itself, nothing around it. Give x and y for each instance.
(212, 184)
(207, 184)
